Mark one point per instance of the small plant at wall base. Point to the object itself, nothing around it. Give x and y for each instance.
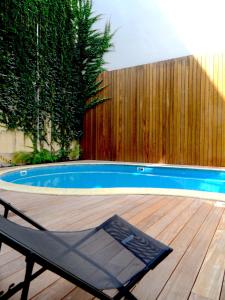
(44, 156)
(75, 152)
(51, 58)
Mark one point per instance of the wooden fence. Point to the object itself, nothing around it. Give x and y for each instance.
(168, 112)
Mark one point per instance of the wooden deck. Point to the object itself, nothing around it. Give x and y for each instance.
(194, 228)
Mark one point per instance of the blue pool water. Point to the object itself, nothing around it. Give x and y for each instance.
(112, 175)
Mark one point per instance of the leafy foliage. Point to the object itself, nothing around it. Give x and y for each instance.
(51, 57)
(75, 152)
(22, 157)
(18, 51)
(39, 157)
(44, 156)
(8, 74)
(78, 78)
(91, 45)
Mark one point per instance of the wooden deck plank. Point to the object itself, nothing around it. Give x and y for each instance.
(153, 282)
(124, 208)
(222, 295)
(207, 286)
(40, 283)
(157, 228)
(178, 221)
(157, 215)
(37, 285)
(78, 294)
(181, 281)
(140, 208)
(57, 290)
(138, 218)
(8, 256)
(11, 267)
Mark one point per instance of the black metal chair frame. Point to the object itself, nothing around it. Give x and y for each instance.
(31, 258)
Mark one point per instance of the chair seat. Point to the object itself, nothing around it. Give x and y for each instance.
(106, 257)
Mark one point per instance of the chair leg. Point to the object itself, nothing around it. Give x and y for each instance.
(130, 297)
(27, 279)
(126, 294)
(6, 211)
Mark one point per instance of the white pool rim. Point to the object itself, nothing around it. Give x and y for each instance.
(109, 191)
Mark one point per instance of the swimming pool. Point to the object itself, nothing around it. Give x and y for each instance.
(70, 178)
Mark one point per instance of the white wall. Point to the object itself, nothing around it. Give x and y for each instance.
(153, 30)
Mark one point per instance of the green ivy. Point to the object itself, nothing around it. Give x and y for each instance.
(51, 57)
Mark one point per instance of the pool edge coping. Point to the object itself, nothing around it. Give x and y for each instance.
(109, 191)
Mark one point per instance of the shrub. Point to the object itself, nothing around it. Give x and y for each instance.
(75, 152)
(62, 155)
(36, 157)
(43, 156)
(22, 157)
(46, 156)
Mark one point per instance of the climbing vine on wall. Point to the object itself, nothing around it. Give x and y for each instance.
(51, 56)
(18, 106)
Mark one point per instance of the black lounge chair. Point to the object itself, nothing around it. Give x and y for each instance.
(114, 255)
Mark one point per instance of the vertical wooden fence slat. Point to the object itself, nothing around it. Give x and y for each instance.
(222, 96)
